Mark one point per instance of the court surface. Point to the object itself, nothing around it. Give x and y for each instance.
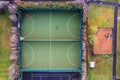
(51, 39)
(50, 54)
(51, 76)
(51, 25)
(103, 41)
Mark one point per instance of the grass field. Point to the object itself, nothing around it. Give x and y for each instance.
(102, 17)
(99, 16)
(103, 69)
(112, 0)
(4, 45)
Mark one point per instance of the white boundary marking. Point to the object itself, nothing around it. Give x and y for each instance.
(68, 54)
(68, 25)
(30, 62)
(50, 39)
(70, 78)
(32, 26)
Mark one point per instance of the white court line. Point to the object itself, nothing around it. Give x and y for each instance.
(68, 54)
(68, 25)
(50, 39)
(70, 78)
(32, 26)
(30, 62)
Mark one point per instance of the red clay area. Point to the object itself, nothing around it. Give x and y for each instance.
(103, 43)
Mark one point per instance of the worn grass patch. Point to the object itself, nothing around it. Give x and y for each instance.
(4, 45)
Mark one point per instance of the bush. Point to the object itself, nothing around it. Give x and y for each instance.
(49, 5)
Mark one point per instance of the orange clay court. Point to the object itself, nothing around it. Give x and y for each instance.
(103, 43)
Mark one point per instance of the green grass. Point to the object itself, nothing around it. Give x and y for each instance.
(96, 20)
(103, 68)
(112, 0)
(5, 25)
(99, 16)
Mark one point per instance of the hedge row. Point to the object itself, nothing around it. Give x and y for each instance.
(50, 5)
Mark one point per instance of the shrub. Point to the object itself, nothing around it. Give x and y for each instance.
(50, 5)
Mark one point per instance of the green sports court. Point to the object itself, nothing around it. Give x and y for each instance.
(50, 41)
